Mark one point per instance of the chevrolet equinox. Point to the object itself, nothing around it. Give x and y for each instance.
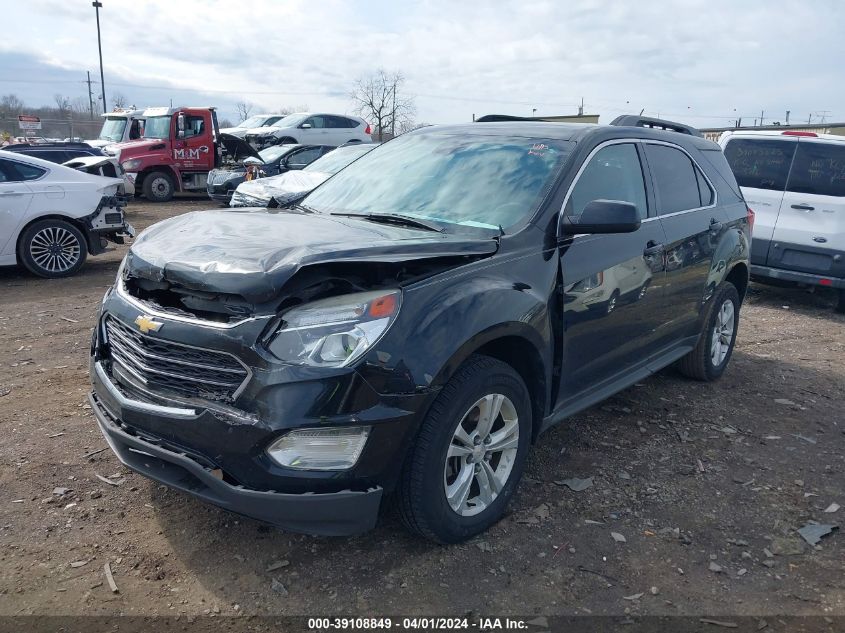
(415, 323)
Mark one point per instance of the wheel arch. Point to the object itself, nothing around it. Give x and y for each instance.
(142, 175)
(739, 276)
(517, 345)
(54, 216)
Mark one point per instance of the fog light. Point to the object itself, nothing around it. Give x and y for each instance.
(320, 449)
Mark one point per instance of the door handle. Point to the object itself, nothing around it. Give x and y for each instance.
(715, 225)
(653, 248)
(803, 207)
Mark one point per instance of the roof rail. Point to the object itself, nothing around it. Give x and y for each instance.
(633, 120)
(497, 118)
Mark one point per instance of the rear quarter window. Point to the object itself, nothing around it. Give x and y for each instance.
(760, 164)
(819, 169)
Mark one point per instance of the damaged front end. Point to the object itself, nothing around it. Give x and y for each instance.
(226, 357)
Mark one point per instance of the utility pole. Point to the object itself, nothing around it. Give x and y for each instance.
(90, 95)
(393, 113)
(761, 117)
(581, 107)
(787, 117)
(97, 5)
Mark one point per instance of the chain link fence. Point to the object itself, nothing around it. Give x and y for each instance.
(55, 129)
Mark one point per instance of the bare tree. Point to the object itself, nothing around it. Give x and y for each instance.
(10, 104)
(80, 105)
(379, 98)
(62, 103)
(119, 100)
(291, 109)
(244, 108)
(225, 123)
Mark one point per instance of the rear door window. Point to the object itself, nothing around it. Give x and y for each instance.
(675, 179)
(613, 173)
(27, 172)
(819, 169)
(760, 164)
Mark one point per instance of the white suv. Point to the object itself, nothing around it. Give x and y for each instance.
(794, 181)
(310, 128)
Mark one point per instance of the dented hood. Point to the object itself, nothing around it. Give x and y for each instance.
(252, 252)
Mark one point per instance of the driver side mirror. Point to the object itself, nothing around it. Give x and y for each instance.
(603, 216)
(180, 125)
(305, 126)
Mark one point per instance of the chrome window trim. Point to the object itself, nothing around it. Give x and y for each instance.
(715, 202)
(596, 150)
(640, 141)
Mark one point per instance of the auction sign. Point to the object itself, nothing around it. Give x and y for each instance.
(29, 122)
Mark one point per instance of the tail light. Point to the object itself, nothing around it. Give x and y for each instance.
(368, 130)
(797, 133)
(750, 220)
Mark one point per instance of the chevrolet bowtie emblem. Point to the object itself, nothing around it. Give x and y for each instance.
(146, 324)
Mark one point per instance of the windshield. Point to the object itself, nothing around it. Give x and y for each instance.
(157, 127)
(339, 158)
(291, 120)
(253, 121)
(113, 128)
(453, 179)
(273, 153)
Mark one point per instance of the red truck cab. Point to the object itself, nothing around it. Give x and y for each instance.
(178, 148)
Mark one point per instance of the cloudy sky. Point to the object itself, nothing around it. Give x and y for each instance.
(706, 62)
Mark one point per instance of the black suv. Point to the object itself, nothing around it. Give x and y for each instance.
(418, 320)
(55, 152)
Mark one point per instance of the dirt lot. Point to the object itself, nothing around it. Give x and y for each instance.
(706, 483)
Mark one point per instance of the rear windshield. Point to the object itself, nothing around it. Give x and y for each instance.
(457, 180)
(760, 164)
(819, 169)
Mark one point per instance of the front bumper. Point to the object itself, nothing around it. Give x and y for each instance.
(767, 272)
(330, 514)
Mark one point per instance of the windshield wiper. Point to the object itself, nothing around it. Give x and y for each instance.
(395, 218)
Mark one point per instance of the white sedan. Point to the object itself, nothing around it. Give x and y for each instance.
(52, 216)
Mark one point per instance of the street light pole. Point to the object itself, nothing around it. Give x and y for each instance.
(97, 4)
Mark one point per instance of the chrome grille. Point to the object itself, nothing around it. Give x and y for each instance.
(160, 366)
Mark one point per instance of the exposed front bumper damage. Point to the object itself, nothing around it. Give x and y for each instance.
(216, 450)
(331, 514)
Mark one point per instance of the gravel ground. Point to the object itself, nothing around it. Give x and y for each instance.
(697, 491)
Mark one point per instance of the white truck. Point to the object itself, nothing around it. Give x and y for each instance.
(119, 126)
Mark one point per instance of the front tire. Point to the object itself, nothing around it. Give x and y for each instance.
(159, 187)
(708, 360)
(52, 249)
(469, 455)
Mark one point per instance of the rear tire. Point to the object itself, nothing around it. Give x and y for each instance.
(52, 249)
(159, 187)
(708, 360)
(469, 455)
(840, 306)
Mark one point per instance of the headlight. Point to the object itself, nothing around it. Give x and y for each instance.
(131, 165)
(320, 449)
(590, 283)
(334, 332)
